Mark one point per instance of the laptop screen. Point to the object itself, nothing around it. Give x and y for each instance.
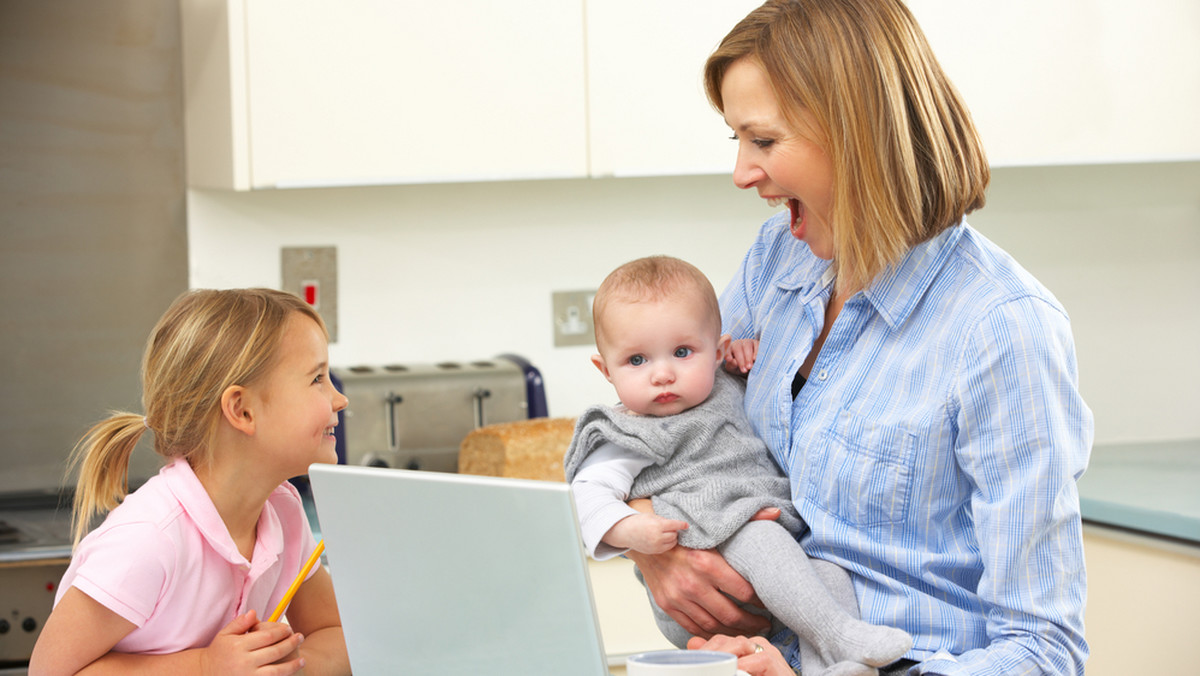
(455, 574)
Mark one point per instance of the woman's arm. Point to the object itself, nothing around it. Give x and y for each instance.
(1025, 436)
(314, 613)
(692, 585)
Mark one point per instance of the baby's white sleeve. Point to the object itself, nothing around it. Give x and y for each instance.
(601, 487)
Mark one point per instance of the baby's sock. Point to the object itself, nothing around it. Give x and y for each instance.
(849, 669)
(784, 578)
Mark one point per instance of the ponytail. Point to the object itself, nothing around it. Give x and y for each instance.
(103, 460)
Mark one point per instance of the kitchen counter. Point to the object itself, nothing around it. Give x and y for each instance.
(1151, 487)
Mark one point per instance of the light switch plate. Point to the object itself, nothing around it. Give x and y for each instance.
(572, 321)
(311, 273)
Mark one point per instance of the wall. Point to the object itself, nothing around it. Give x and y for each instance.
(462, 271)
(91, 216)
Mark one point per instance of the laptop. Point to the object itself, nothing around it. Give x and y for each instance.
(456, 574)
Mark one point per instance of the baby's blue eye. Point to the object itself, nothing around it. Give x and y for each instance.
(637, 360)
(682, 352)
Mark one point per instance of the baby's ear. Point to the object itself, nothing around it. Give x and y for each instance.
(723, 344)
(598, 361)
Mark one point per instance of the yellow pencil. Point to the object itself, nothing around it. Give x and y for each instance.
(287, 598)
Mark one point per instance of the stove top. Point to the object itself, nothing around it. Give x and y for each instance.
(34, 526)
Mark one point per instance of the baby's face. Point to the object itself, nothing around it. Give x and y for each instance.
(660, 356)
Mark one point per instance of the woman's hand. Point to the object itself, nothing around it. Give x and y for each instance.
(694, 586)
(756, 656)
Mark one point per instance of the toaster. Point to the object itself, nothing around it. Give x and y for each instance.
(415, 415)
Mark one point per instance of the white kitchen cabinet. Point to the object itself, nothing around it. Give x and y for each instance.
(294, 93)
(1074, 81)
(647, 111)
(360, 92)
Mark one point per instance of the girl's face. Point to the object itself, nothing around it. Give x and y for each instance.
(783, 164)
(661, 357)
(298, 403)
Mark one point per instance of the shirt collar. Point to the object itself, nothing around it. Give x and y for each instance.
(896, 291)
(186, 487)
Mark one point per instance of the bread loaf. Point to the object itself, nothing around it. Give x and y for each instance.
(524, 449)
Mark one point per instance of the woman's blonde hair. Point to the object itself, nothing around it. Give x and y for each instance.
(906, 158)
(206, 341)
(650, 279)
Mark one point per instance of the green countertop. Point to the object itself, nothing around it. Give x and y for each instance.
(1153, 487)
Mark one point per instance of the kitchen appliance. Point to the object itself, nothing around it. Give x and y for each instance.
(35, 548)
(415, 416)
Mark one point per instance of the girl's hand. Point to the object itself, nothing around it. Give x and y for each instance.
(756, 656)
(246, 646)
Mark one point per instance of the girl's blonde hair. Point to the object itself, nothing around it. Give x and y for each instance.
(207, 341)
(906, 158)
(652, 279)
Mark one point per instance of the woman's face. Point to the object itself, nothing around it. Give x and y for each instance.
(783, 164)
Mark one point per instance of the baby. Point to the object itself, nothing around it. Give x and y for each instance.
(681, 437)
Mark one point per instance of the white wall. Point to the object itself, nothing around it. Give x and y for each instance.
(465, 271)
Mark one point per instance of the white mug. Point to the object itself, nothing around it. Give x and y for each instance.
(682, 663)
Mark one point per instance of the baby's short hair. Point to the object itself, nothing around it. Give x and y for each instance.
(651, 279)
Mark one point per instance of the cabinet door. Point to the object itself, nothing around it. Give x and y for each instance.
(1074, 81)
(381, 91)
(648, 114)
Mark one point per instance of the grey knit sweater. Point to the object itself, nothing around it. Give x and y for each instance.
(709, 469)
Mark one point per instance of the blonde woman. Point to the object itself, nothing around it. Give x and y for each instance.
(181, 572)
(915, 383)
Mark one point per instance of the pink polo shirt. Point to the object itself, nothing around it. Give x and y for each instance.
(164, 560)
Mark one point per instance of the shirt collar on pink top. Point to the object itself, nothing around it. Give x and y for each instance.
(186, 487)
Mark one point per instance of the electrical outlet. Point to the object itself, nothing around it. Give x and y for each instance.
(573, 318)
(311, 273)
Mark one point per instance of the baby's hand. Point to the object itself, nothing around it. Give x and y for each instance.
(246, 645)
(645, 533)
(740, 355)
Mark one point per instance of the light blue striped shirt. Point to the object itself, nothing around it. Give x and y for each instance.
(935, 449)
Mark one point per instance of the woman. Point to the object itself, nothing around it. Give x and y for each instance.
(916, 384)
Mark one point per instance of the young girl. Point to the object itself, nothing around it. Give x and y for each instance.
(181, 573)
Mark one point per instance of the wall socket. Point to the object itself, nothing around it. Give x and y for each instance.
(573, 318)
(311, 273)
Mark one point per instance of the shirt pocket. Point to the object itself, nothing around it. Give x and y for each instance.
(861, 471)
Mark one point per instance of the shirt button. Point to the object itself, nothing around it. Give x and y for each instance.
(823, 374)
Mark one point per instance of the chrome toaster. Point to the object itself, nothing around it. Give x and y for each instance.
(415, 416)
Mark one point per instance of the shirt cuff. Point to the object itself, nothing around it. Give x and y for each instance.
(600, 522)
(941, 663)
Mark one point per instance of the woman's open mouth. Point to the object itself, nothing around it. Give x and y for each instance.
(797, 212)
